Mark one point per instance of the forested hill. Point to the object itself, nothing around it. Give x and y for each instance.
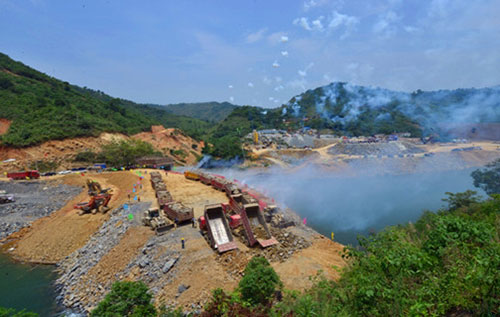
(43, 108)
(358, 110)
(207, 111)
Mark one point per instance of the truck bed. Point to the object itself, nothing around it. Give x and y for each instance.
(218, 229)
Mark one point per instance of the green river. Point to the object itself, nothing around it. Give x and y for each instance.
(27, 286)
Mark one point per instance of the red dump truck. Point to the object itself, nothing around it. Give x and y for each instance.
(164, 197)
(252, 219)
(219, 232)
(176, 210)
(218, 183)
(24, 175)
(206, 178)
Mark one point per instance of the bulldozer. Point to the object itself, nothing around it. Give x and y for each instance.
(99, 199)
(158, 222)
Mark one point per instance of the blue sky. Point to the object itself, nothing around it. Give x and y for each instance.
(254, 52)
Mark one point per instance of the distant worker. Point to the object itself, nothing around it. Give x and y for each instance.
(193, 221)
(182, 243)
(176, 222)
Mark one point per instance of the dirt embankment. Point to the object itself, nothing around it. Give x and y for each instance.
(50, 239)
(93, 251)
(4, 125)
(171, 142)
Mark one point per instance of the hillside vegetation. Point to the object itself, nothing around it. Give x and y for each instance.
(357, 110)
(206, 111)
(43, 108)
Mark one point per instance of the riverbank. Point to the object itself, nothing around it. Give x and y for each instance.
(99, 249)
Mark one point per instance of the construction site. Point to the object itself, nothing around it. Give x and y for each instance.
(390, 154)
(182, 234)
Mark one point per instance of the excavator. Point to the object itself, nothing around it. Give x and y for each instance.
(99, 199)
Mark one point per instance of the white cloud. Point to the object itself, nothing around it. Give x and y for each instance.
(230, 86)
(303, 22)
(315, 25)
(386, 24)
(271, 99)
(284, 53)
(279, 88)
(284, 39)
(339, 20)
(303, 73)
(278, 79)
(266, 80)
(231, 99)
(256, 36)
(411, 29)
(276, 64)
(250, 84)
(310, 4)
(336, 21)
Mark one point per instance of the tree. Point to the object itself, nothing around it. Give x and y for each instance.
(124, 153)
(259, 282)
(126, 299)
(460, 200)
(488, 178)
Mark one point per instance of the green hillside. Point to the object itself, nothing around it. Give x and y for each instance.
(44, 108)
(207, 111)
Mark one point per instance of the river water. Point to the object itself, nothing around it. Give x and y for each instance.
(348, 205)
(30, 287)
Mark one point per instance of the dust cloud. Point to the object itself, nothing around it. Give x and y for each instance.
(350, 205)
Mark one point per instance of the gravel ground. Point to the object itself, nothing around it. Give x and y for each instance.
(74, 267)
(33, 200)
(383, 149)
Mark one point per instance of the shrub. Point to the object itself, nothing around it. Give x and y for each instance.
(126, 299)
(259, 282)
(86, 156)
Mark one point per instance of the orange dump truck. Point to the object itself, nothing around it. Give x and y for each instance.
(192, 175)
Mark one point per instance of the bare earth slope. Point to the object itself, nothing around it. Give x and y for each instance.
(93, 251)
(171, 142)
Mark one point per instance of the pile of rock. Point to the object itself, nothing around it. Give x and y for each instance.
(153, 263)
(76, 295)
(234, 262)
(289, 243)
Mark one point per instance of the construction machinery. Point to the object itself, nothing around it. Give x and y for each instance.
(231, 189)
(218, 182)
(163, 197)
(157, 221)
(218, 230)
(177, 211)
(192, 175)
(206, 178)
(252, 219)
(6, 198)
(23, 175)
(99, 199)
